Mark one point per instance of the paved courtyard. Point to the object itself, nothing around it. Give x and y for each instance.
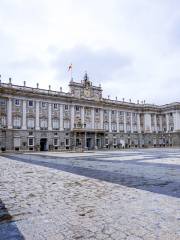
(117, 195)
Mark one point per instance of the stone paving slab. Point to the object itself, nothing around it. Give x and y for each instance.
(48, 203)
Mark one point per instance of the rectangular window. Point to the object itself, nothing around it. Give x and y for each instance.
(77, 108)
(106, 141)
(67, 141)
(114, 141)
(66, 107)
(17, 102)
(44, 104)
(2, 101)
(31, 141)
(97, 110)
(55, 141)
(55, 106)
(30, 103)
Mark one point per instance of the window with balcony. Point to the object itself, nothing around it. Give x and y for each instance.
(114, 127)
(106, 126)
(2, 121)
(121, 127)
(17, 122)
(66, 124)
(43, 123)
(30, 123)
(55, 123)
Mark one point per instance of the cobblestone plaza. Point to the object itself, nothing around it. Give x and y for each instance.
(128, 194)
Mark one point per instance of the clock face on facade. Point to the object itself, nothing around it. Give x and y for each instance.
(87, 92)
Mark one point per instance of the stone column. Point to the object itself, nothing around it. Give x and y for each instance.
(160, 120)
(176, 119)
(61, 118)
(167, 122)
(72, 117)
(9, 113)
(49, 116)
(37, 115)
(147, 122)
(125, 130)
(95, 141)
(85, 140)
(92, 114)
(131, 122)
(110, 129)
(101, 119)
(24, 126)
(117, 120)
(155, 123)
(138, 123)
(82, 116)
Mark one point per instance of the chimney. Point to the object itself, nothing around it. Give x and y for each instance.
(0, 79)
(49, 87)
(123, 99)
(116, 98)
(24, 83)
(10, 80)
(137, 101)
(60, 89)
(130, 100)
(37, 85)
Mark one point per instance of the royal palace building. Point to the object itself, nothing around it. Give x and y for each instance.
(34, 119)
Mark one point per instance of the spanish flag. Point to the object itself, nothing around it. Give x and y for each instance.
(70, 67)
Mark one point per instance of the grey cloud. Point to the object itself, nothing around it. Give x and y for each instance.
(100, 64)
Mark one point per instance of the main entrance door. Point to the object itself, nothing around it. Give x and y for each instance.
(43, 144)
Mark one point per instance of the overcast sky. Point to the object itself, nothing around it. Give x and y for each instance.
(130, 47)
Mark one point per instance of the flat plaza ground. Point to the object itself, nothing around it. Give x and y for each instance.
(116, 195)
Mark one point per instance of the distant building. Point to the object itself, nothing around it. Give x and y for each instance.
(33, 119)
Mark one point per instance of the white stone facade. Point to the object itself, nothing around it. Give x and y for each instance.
(36, 119)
